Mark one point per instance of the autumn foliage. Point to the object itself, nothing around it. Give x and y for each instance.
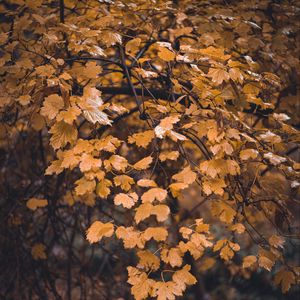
(149, 149)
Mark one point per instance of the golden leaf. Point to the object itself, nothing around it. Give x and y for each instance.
(141, 139)
(227, 248)
(238, 227)
(165, 125)
(38, 251)
(166, 290)
(248, 153)
(88, 162)
(215, 186)
(249, 261)
(276, 241)
(223, 210)
(148, 260)
(157, 233)
(183, 277)
(91, 70)
(186, 176)
(172, 155)
(35, 203)
(127, 200)
(62, 134)
(218, 75)
(98, 230)
(236, 75)
(84, 186)
(154, 194)
(51, 106)
(142, 285)
(146, 183)
(133, 46)
(91, 104)
(118, 162)
(285, 278)
(175, 188)
(172, 256)
(130, 237)
(69, 115)
(143, 163)
(103, 189)
(166, 54)
(124, 181)
(143, 212)
(161, 211)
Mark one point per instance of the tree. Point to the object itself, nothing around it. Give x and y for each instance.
(166, 132)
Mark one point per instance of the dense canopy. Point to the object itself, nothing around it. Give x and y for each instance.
(149, 149)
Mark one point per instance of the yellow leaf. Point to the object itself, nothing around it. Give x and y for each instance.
(157, 233)
(248, 153)
(201, 226)
(249, 261)
(227, 249)
(98, 230)
(166, 54)
(172, 256)
(183, 277)
(186, 232)
(236, 75)
(276, 241)
(110, 38)
(124, 181)
(161, 211)
(127, 200)
(133, 46)
(166, 290)
(142, 139)
(103, 189)
(35, 203)
(141, 285)
(154, 194)
(143, 163)
(148, 260)
(214, 53)
(239, 228)
(84, 186)
(146, 183)
(130, 237)
(38, 251)
(215, 186)
(62, 134)
(175, 188)
(69, 115)
(223, 210)
(118, 162)
(91, 70)
(172, 155)
(285, 278)
(88, 162)
(218, 75)
(143, 212)
(265, 263)
(194, 250)
(226, 253)
(51, 106)
(186, 176)
(91, 104)
(266, 259)
(165, 125)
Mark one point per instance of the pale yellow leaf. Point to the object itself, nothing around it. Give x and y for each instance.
(98, 230)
